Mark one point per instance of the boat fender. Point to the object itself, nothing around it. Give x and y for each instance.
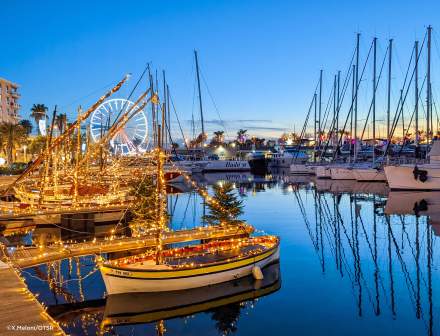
(423, 175)
(416, 172)
(257, 273)
(420, 174)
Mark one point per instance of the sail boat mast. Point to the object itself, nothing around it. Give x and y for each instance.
(320, 108)
(200, 92)
(428, 89)
(390, 54)
(416, 89)
(374, 98)
(356, 96)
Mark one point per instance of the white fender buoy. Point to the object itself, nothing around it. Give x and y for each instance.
(257, 273)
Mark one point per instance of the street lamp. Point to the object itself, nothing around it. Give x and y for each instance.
(24, 152)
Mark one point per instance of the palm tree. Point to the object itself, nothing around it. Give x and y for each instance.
(38, 112)
(61, 122)
(241, 135)
(27, 125)
(218, 137)
(12, 136)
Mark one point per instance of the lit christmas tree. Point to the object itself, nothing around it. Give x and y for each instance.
(229, 207)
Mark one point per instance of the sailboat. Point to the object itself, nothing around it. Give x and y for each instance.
(190, 267)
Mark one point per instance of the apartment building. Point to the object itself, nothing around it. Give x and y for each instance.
(9, 97)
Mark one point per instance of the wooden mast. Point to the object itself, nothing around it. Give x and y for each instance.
(77, 156)
(164, 111)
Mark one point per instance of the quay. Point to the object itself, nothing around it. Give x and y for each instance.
(20, 311)
(32, 256)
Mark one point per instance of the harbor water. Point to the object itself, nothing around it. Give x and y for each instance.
(356, 259)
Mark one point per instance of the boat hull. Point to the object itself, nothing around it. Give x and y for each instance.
(342, 173)
(323, 172)
(302, 169)
(402, 178)
(122, 281)
(369, 175)
(227, 165)
(147, 307)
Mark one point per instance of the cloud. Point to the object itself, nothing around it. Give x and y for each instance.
(257, 127)
(281, 129)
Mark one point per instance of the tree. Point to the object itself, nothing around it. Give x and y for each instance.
(241, 135)
(197, 142)
(61, 122)
(218, 137)
(227, 207)
(145, 206)
(38, 112)
(37, 145)
(27, 125)
(13, 135)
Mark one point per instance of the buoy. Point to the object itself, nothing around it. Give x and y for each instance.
(257, 273)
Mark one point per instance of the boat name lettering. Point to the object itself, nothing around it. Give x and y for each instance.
(125, 273)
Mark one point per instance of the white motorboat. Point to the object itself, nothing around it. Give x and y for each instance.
(226, 165)
(286, 158)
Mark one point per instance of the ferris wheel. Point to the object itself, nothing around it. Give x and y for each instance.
(132, 138)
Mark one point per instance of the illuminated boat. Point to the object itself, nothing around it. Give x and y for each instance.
(190, 267)
(88, 195)
(133, 308)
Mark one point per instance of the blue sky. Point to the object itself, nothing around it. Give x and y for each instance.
(260, 59)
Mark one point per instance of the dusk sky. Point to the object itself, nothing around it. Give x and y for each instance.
(260, 59)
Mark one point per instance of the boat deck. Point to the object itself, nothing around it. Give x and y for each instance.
(215, 257)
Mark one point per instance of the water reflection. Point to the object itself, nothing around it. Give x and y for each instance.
(223, 301)
(351, 232)
(355, 257)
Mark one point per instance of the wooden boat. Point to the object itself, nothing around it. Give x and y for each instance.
(190, 267)
(133, 308)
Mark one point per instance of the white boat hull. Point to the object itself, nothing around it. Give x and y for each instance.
(369, 175)
(342, 173)
(302, 169)
(323, 172)
(118, 281)
(227, 165)
(402, 177)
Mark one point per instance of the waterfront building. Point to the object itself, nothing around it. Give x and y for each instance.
(9, 106)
